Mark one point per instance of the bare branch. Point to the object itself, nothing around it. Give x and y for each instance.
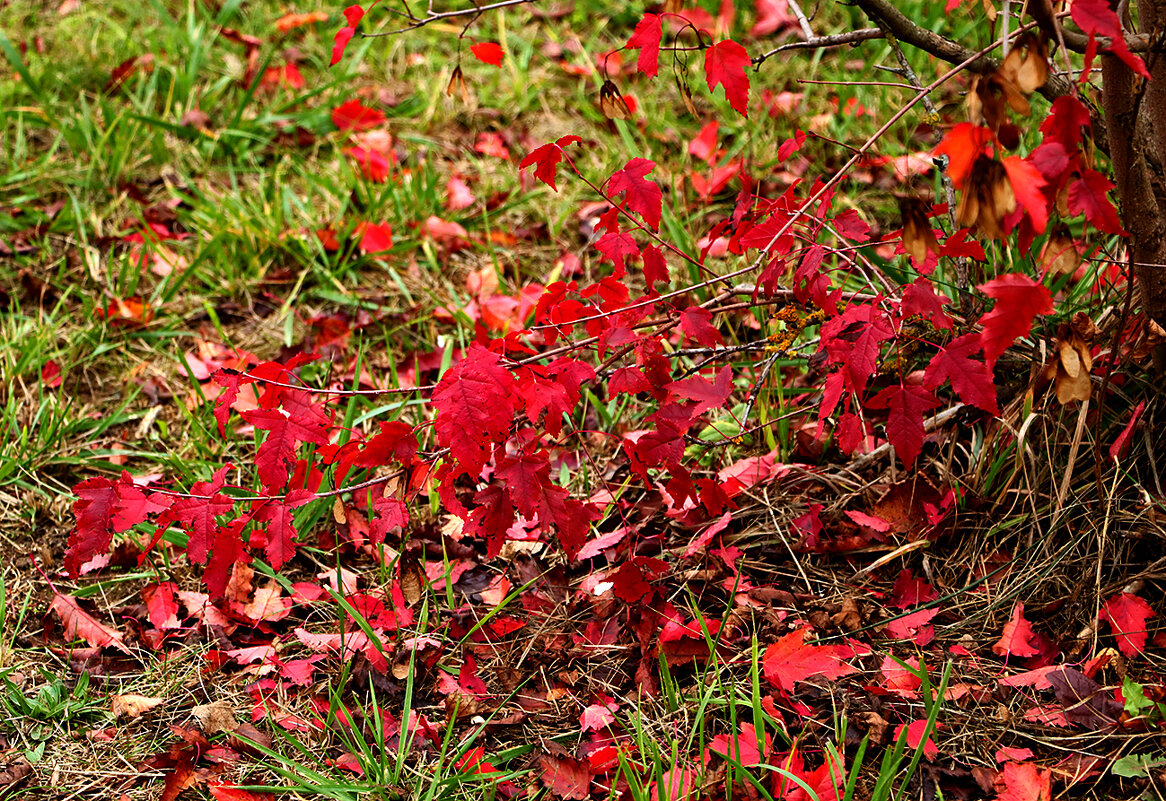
(899, 26)
(834, 40)
(435, 16)
(802, 19)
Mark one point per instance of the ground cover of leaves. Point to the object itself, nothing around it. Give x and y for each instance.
(189, 188)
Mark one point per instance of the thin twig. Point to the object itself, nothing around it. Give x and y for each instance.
(802, 19)
(819, 42)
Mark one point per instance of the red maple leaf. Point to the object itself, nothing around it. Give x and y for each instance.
(707, 394)
(566, 777)
(852, 340)
(1026, 183)
(919, 298)
(353, 15)
(791, 659)
(910, 590)
(906, 404)
(655, 266)
(491, 518)
(617, 248)
(374, 238)
(390, 513)
(969, 377)
(488, 53)
(963, 145)
(1018, 638)
(79, 623)
(355, 116)
(599, 715)
(281, 531)
(161, 605)
(696, 323)
(546, 158)
(474, 403)
(276, 456)
(525, 478)
(395, 442)
(1097, 18)
(741, 748)
(1019, 299)
(1088, 195)
(640, 195)
(1127, 614)
(725, 64)
(102, 509)
(1023, 781)
(646, 39)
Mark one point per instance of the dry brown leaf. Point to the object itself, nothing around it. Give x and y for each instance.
(133, 706)
(215, 717)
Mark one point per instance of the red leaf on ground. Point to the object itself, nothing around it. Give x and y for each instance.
(374, 238)
(772, 16)
(1127, 615)
(565, 777)
(599, 714)
(1018, 638)
(725, 64)
(1019, 299)
(704, 146)
(355, 116)
(373, 165)
(791, 659)
(458, 194)
(1023, 781)
(293, 20)
(161, 605)
(910, 590)
(915, 730)
(740, 748)
(79, 623)
(646, 39)
(50, 374)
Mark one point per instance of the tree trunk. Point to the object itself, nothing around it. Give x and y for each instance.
(1135, 120)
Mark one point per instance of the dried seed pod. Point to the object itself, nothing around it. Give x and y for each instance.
(987, 199)
(1060, 254)
(918, 236)
(1027, 64)
(611, 102)
(457, 85)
